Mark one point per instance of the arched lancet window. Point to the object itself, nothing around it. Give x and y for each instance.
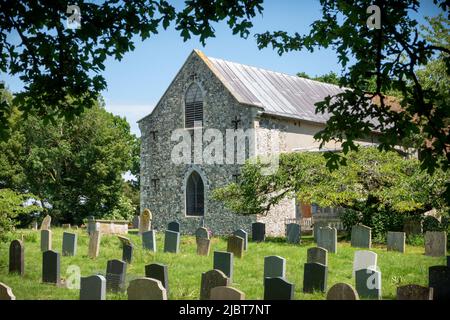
(195, 204)
(193, 108)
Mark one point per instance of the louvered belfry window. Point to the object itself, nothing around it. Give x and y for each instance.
(193, 110)
(195, 204)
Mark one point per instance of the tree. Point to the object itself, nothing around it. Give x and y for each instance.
(330, 77)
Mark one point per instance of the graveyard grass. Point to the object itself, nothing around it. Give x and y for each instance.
(185, 268)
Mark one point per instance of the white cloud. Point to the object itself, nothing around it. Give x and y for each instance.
(132, 112)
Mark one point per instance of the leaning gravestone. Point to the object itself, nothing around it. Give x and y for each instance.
(342, 291)
(439, 280)
(364, 259)
(210, 280)
(258, 232)
(361, 236)
(293, 233)
(317, 255)
(201, 233)
(203, 246)
(244, 235)
(145, 221)
(172, 241)
(174, 226)
(93, 288)
(316, 229)
(146, 289)
(115, 275)
(127, 249)
(223, 261)
(368, 283)
(69, 244)
(159, 272)
(16, 257)
(396, 241)
(274, 267)
(278, 289)
(226, 293)
(46, 240)
(51, 267)
(46, 223)
(327, 239)
(414, 292)
(136, 222)
(436, 243)
(94, 244)
(235, 245)
(315, 277)
(149, 240)
(6, 292)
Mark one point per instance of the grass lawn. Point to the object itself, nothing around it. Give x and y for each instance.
(185, 268)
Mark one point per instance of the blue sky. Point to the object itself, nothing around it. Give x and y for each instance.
(136, 83)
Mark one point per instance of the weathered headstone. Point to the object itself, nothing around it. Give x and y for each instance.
(46, 240)
(159, 272)
(69, 244)
(315, 277)
(146, 289)
(258, 232)
(136, 222)
(223, 261)
(316, 228)
(274, 267)
(236, 246)
(436, 243)
(145, 221)
(244, 235)
(201, 233)
(361, 236)
(364, 259)
(115, 275)
(317, 255)
(51, 267)
(149, 240)
(93, 288)
(342, 291)
(6, 292)
(127, 253)
(396, 241)
(368, 283)
(278, 289)
(226, 293)
(16, 257)
(174, 226)
(293, 233)
(91, 225)
(203, 246)
(172, 241)
(328, 239)
(439, 280)
(94, 244)
(212, 279)
(414, 292)
(46, 223)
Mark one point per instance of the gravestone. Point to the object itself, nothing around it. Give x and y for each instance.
(436, 243)
(146, 289)
(226, 293)
(439, 280)
(6, 292)
(136, 222)
(203, 246)
(414, 292)
(66, 226)
(244, 235)
(159, 272)
(210, 280)
(34, 225)
(46, 223)
(145, 221)
(293, 233)
(278, 289)
(115, 275)
(201, 233)
(315, 277)
(368, 283)
(127, 253)
(236, 246)
(317, 255)
(172, 241)
(364, 259)
(223, 261)
(69, 244)
(46, 240)
(342, 291)
(396, 241)
(91, 225)
(258, 232)
(51, 267)
(16, 257)
(174, 226)
(327, 239)
(93, 288)
(361, 236)
(149, 240)
(316, 229)
(94, 244)
(274, 267)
